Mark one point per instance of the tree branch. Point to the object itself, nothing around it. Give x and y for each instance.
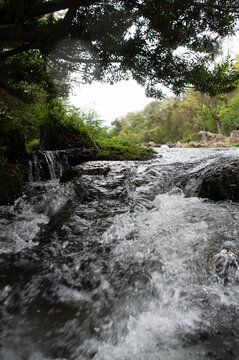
(43, 9)
(57, 5)
(18, 50)
(69, 16)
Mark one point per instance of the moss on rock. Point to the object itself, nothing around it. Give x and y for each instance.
(124, 152)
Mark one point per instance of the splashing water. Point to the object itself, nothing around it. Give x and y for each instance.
(120, 264)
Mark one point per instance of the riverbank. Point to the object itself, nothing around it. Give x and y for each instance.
(206, 139)
(211, 140)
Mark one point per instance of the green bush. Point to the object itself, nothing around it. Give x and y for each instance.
(192, 137)
(114, 142)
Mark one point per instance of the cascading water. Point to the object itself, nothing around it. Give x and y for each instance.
(46, 165)
(120, 264)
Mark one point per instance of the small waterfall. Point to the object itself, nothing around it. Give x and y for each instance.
(46, 165)
(49, 165)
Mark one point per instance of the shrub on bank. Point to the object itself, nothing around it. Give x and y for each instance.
(58, 136)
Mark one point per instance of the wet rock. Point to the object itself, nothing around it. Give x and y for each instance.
(12, 164)
(45, 165)
(70, 174)
(79, 155)
(74, 172)
(221, 185)
(11, 181)
(217, 180)
(227, 266)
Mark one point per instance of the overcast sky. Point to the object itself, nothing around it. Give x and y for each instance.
(112, 101)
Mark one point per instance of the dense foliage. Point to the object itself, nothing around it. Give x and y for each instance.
(44, 40)
(180, 118)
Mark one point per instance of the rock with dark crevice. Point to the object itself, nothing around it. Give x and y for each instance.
(221, 185)
(216, 181)
(77, 156)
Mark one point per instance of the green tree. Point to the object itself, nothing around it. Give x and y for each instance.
(130, 127)
(181, 118)
(230, 115)
(116, 126)
(115, 39)
(192, 107)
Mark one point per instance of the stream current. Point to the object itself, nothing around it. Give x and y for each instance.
(121, 263)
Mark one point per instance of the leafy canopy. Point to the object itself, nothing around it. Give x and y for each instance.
(109, 40)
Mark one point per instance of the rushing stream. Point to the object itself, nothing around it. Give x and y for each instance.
(124, 262)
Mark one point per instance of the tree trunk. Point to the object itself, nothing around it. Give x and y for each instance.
(218, 126)
(218, 121)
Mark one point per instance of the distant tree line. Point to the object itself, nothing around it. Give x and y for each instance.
(181, 118)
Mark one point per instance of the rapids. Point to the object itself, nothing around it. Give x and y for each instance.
(123, 262)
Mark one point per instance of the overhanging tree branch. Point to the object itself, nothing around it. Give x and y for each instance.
(138, 35)
(42, 9)
(6, 54)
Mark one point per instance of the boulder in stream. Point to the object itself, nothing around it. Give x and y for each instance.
(215, 180)
(222, 184)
